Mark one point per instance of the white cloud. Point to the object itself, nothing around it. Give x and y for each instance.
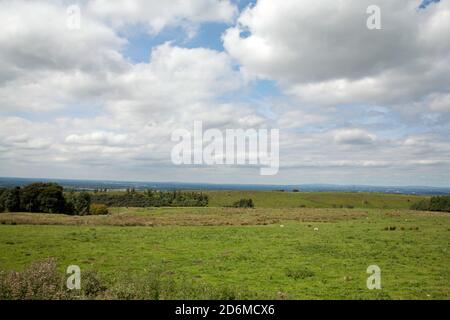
(98, 138)
(157, 15)
(136, 106)
(53, 67)
(322, 51)
(300, 118)
(44, 65)
(440, 103)
(353, 136)
(93, 113)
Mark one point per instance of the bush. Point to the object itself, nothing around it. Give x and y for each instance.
(151, 198)
(98, 209)
(91, 284)
(441, 203)
(82, 203)
(244, 203)
(78, 203)
(156, 286)
(40, 281)
(299, 273)
(423, 205)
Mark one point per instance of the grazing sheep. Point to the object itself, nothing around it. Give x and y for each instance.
(316, 229)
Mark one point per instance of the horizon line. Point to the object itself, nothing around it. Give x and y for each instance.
(230, 184)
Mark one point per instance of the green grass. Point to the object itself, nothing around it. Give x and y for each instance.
(272, 199)
(267, 260)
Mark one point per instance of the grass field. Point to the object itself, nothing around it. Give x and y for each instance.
(274, 199)
(263, 253)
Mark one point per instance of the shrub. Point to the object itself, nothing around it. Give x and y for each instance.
(91, 284)
(244, 203)
(157, 287)
(98, 209)
(441, 203)
(299, 273)
(423, 205)
(151, 198)
(82, 203)
(40, 281)
(78, 203)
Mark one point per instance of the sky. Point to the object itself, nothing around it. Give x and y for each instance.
(353, 105)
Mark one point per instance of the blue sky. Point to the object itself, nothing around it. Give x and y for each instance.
(426, 3)
(208, 36)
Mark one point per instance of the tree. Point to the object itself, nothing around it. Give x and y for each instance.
(43, 197)
(12, 200)
(441, 203)
(29, 197)
(82, 203)
(2, 200)
(51, 199)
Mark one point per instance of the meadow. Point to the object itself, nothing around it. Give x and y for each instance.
(280, 199)
(279, 250)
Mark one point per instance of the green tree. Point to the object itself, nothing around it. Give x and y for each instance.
(51, 199)
(82, 203)
(43, 197)
(2, 200)
(12, 200)
(441, 203)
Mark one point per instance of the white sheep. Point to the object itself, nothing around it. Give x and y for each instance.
(316, 229)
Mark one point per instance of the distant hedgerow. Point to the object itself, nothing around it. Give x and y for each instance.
(151, 198)
(440, 203)
(244, 203)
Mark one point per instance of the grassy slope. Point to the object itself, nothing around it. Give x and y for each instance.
(414, 263)
(271, 199)
(188, 216)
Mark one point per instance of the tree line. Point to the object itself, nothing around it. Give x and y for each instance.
(151, 198)
(51, 198)
(440, 203)
(44, 198)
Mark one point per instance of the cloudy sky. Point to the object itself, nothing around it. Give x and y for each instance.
(353, 105)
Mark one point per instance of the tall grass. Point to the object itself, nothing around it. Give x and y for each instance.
(42, 281)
